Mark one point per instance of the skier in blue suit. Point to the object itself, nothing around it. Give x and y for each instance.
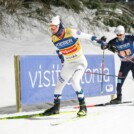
(123, 45)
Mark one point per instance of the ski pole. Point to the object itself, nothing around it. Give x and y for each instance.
(125, 58)
(102, 81)
(129, 60)
(104, 74)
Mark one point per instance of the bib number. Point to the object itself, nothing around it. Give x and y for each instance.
(125, 53)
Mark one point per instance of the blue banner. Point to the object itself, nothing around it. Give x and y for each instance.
(38, 76)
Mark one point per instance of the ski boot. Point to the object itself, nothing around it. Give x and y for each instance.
(53, 110)
(117, 100)
(83, 108)
(82, 111)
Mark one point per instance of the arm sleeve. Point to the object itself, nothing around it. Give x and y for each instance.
(111, 46)
(61, 57)
(81, 35)
(130, 37)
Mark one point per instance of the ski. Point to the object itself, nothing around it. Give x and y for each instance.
(72, 119)
(107, 104)
(35, 115)
(75, 118)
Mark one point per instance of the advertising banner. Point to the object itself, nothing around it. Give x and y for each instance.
(38, 76)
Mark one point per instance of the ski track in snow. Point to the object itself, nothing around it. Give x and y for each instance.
(102, 120)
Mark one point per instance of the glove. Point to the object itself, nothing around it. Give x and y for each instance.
(93, 38)
(114, 49)
(61, 57)
(103, 38)
(101, 42)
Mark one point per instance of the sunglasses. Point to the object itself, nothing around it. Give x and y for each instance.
(119, 34)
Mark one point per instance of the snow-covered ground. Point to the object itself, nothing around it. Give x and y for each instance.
(100, 120)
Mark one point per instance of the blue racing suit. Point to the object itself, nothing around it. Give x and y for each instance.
(125, 49)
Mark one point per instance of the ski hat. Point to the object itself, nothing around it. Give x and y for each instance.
(119, 30)
(55, 20)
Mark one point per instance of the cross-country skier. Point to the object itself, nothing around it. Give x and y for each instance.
(123, 45)
(68, 45)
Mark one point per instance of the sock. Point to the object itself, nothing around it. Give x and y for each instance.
(57, 98)
(80, 96)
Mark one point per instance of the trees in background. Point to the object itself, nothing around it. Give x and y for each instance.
(109, 13)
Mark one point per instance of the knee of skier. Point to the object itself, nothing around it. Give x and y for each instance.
(61, 79)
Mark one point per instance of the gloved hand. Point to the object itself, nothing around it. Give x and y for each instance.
(114, 49)
(61, 57)
(94, 38)
(102, 43)
(103, 38)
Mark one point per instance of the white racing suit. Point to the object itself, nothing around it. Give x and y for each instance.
(75, 61)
